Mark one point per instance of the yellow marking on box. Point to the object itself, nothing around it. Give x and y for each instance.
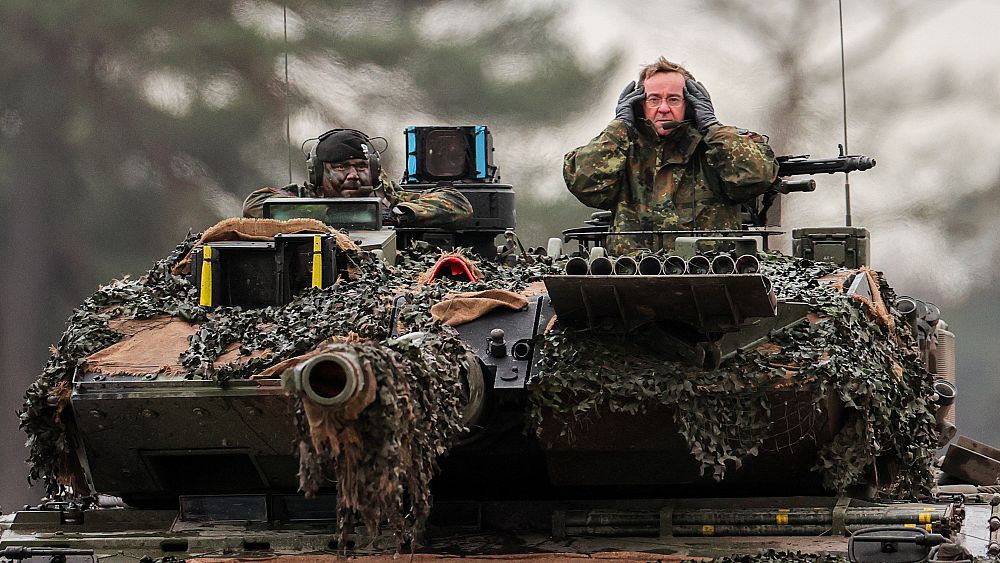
(708, 530)
(317, 263)
(205, 291)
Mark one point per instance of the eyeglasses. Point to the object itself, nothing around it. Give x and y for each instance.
(342, 167)
(653, 102)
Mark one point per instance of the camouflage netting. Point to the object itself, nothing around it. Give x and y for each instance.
(415, 418)
(401, 429)
(723, 414)
(726, 414)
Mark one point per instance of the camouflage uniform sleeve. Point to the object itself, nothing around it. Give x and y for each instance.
(253, 205)
(594, 172)
(439, 207)
(743, 160)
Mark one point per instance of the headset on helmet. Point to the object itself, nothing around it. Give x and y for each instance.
(314, 167)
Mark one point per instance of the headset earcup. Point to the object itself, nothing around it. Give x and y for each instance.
(314, 169)
(375, 167)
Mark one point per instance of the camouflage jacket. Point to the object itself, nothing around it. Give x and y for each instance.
(687, 181)
(440, 207)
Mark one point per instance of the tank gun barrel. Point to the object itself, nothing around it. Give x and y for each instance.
(330, 379)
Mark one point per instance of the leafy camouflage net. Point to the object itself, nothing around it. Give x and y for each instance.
(400, 434)
(50, 450)
(726, 414)
(415, 418)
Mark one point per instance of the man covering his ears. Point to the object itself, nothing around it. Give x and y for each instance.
(666, 163)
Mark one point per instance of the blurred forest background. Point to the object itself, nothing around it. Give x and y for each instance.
(125, 125)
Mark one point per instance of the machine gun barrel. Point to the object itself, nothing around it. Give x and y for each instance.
(802, 164)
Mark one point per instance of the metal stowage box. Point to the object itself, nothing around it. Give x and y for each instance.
(263, 273)
(847, 246)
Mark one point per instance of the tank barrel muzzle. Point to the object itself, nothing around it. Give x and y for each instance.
(723, 264)
(747, 264)
(626, 266)
(650, 266)
(576, 266)
(330, 379)
(699, 265)
(601, 266)
(674, 266)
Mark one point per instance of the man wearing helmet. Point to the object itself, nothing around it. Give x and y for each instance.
(666, 163)
(344, 164)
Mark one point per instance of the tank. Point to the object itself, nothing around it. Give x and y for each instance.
(298, 386)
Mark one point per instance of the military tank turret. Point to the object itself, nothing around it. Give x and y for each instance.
(307, 384)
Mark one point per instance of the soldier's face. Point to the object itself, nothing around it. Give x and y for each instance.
(668, 89)
(350, 178)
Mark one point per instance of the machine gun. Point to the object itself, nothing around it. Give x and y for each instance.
(756, 210)
(799, 165)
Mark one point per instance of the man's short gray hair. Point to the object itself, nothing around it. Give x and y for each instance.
(662, 65)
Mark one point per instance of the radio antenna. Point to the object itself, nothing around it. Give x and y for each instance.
(288, 108)
(843, 87)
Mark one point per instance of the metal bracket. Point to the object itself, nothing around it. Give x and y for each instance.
(559, 523)
(840, 516)
(667, 521)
